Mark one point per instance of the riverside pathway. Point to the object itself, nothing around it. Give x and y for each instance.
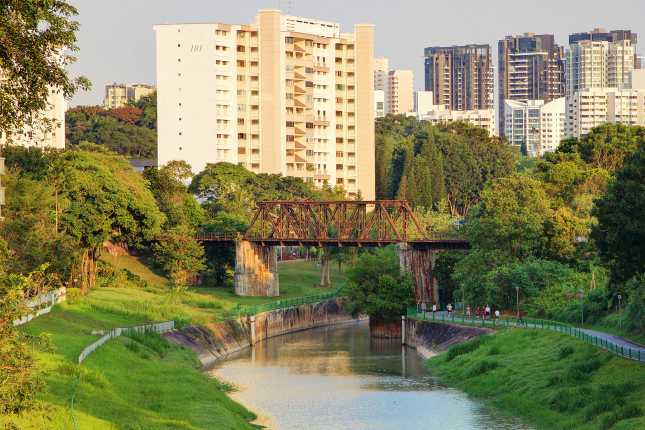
(616, 344)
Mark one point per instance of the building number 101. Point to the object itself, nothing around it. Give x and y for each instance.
(195, 48)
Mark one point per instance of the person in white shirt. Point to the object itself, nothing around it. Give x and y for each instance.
(497, 314)
(434, 307)
(487, 311)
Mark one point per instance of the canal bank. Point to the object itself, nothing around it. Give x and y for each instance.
(213, 341)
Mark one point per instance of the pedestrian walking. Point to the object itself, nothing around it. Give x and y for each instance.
(468, 311)
(487, 311)
(449, 308)
(477, 312)
(497, 314)
(434, 308)
(423, 308)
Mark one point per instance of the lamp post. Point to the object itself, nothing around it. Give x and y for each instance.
(517, 289)
(620, 314)
(463, 300)
(582, 313)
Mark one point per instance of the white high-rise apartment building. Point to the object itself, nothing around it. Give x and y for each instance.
(285, 94)
(400, 92)
(537, 126)
(381, 70)
(599, 59)
(118, 95)
(435, 114)
(379, 104)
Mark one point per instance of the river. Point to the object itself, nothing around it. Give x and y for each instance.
(338, 377)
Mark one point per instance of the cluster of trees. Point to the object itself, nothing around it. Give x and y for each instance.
(130, 131)
(426, 164)
(570, 222)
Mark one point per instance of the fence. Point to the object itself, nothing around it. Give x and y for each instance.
(624, 351)
(234, 313)
(44, 304)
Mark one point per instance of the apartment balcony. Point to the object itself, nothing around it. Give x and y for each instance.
(255, 143)
(351, 107)
(300, 132)
(350, 53)
(255, 113)
(321, 120)
(299, 90)
(322, 174)
(299, 76)
(255, 84)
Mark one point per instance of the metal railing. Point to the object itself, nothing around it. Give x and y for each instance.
(621, 350)
(214, 236)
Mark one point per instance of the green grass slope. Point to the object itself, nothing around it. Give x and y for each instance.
(550, 379)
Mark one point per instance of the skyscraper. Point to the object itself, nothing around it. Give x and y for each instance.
(400, 92)
(599, 59)
(530, 67)
(285, 94)
(460, 77)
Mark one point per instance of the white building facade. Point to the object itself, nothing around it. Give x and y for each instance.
(534, 125)
(285, 94)
(379, 104)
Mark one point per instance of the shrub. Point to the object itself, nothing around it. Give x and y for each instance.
(624, 413)
(91, 376)
(74, 295)
(481, 367)
(150, 339)
(464, 348)
(564, 352)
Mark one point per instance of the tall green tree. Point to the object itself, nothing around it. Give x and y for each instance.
(104, 199)
(179, 255)
(32, 63)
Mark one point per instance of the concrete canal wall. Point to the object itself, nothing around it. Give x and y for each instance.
(215, 340)
(432, 338)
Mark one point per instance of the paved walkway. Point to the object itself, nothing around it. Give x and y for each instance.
(615, 344)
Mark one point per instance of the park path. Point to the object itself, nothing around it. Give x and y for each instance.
(616, 344)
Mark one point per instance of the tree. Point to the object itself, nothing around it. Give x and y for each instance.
(620, 232)
(104, 199)
(32, 63)
(378, 288)
(148, 105)
(20, 377)
(179, 255)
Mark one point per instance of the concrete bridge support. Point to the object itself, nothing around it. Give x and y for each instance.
(256, 270)
(420, 262)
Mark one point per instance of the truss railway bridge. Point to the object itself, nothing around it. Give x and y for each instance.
(332, 223)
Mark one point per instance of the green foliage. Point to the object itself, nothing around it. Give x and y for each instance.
(481, 367)
(179, 255)
(464, 348)
(565, 351)
(425, 164)
(148, 106)
(150, 339)
(32, 63)
(91, 376)
(636, 304)
(378, 288)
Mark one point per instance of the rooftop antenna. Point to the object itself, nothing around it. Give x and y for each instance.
(285, 5)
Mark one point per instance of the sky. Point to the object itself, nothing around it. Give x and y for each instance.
(117, 42)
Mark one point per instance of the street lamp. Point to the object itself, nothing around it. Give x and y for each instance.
(582, 313)
(517, 289)
(620, 314)
(463, 300)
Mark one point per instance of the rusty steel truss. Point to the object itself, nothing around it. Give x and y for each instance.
(344, 223)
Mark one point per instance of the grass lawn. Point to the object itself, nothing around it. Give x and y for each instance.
(128, 385)
(550, 379)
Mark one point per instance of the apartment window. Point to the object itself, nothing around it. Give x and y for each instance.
(339, 167)
(179, 60)
(241, 92)
(340, 86)
(291, 124)
(339, 181)
(339, 73)
(241, 136)
(309, 98)
(290, 68)
(240, 48)
(289, 96)
(379, 105)
(180, 133)
(339, 99)
(241, 34)
(310, 153)
(309, 43)
(339, 113)
(310, 125)
(241, 63)
(339, 140)
(179, 45)
(309, 84)
(288, 40)
(240, 121)
(241, 106)
(289, 82)
(179, 119)
(241, 78)
(309, 70)
(179, 104)
(339, 126)
(339, 154)
(291, 138)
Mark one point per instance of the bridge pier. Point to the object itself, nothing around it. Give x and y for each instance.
(420, 262)
(256, 270)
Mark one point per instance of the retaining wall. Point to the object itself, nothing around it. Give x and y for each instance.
(215, 340)
(432, 338)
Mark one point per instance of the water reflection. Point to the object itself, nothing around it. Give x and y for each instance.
(339, 377)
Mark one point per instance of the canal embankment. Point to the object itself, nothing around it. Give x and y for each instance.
(431, 338)
(211, 341)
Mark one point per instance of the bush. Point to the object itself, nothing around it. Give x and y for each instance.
(74, 295)
(564, 352)
(150, 339)
(464, 348)
(624, 413)
(481, 367)
(91, 376)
